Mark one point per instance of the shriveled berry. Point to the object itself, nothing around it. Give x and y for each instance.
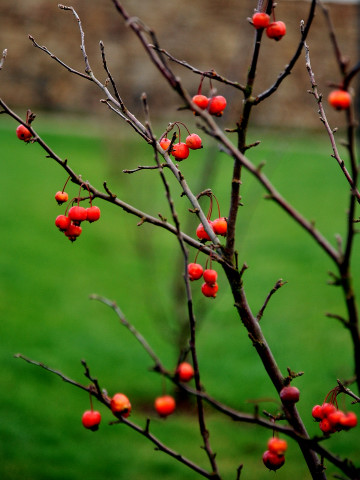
(201, 101)
(339, 99)
(23, 133)
(273, 461)
(91, 419)
(92, 213)
(290, 394)
(276, 30)
(220, 226)
(209, 290)
(217, 105)
(260, 20)
(165, 405)
(120, 405)
(185, 372)
(77, 214)
(210, 276)
(180, 151)
(61, 197)
(193, 141)
(195, 271)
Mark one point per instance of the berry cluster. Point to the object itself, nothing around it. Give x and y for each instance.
(69, 223)
(275, 29)
(215, 104)
(274, 457)
(210, 287)
(180, 150)
(331, 419)
(218, 225)
(340, 99)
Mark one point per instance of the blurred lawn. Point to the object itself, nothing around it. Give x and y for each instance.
(46, 314)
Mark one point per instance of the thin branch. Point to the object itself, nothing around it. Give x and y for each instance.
(280, 283)
(347, 391)
(209, 74)
(329, 130)
(2, 60)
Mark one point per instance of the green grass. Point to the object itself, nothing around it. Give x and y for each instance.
(46, 313)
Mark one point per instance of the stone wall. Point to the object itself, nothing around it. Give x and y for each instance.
(209, 34)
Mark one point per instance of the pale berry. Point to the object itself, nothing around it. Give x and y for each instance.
(91, 419)
(23, 133)
(61, 197)
(290, 394)
(277, 445)
(276, 30)
(180, 151)
(77, 214)
(165, 143)
(185, 372)
(273, 461)
(92, 213)
(73, 232)
(339, 99)
(193, 141)
(195, 271)
(201, 233)
(210, 276)
(62, 222)
(220, 226)
(260, 20)
(201, 101)
(217, 105)
(120, 405)
(165, 405)
(209, 290)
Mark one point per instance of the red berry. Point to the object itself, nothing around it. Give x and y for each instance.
(120, 405)
(325, 426)
(193, 141)
(180, 151)
(327, 409)
(220, 226)
(209, 290)
(77, 214)
(91, 419)
(23, 133)
(335, 419)
(290, 394)
(165, 143)
(62, 222)
(339, 99)
(201, 101)
(277, 445)
(276, 30)
(200, 232)
(317, 413)
(61, 197)
(260, 20)
(217, 105)
(92, 214)
(349, 420)
(210, 276)
(165, 405)
(195, 271)
(273, 461)
(73, 231)
(185, 372)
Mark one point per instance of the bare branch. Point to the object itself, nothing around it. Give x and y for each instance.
(280, 283)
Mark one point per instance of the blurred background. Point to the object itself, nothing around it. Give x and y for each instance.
(45, 281)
